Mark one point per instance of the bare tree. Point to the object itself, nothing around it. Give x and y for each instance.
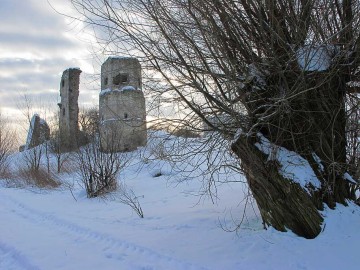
(89, 122)
(99, 170)
(55, 148)
(353, 133)
(32, 158)
(272, 75)
(127, 196)
(37, 130)
(7, 144)
(54, 144)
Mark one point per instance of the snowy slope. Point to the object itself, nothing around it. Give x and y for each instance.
(54, 229)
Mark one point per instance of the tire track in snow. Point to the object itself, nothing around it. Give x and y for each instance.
(11, 258)
(147, 255)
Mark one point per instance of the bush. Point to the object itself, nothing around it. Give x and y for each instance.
(98, 170)
(128, 197)
(7, 143)
(39, 178)
(32, 158)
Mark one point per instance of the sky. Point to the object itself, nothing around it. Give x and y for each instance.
(36, 45)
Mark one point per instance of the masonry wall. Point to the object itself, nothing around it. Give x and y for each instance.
(39, 132)
(122, 109)
(117, 72)
(69, 109)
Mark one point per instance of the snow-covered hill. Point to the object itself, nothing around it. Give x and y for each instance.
(62, 229)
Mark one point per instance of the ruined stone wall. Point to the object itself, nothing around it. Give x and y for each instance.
(117, 72)
(69, 109)
(122, 106)
(38, 133)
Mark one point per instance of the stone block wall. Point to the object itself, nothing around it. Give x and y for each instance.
(69, 109)
(39, 132)
(118, 72)
(122, 109)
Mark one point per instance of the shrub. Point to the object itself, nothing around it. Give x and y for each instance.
(39, 178)
(7, 143)
(98, 170)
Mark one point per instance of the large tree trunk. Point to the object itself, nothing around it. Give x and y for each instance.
(283, 204)
(313, 127)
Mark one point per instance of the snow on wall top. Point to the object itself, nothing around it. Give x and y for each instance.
(315, 58)
(125, 88)
(128, 88)
(72, 69)
(121, 57)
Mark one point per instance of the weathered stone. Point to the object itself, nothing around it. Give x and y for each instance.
(121, 106)
(117, 72)
(39, 132)
(69, 109)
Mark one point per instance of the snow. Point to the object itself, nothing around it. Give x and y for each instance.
(121, 57)
(125, 88)
(62, 229)
(30, 131)
(293, 166)
(254, 72)
(105, 91)
(315, 58)
(349, 178)
(128, 88)
(237, 135)
(318, 161)
(42, 122)
(110, 120)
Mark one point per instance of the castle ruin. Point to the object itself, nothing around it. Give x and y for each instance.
(69, 109)
(121, 105)
(38, 133)
(122, 109)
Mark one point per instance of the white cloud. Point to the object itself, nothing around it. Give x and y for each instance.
(37, 45)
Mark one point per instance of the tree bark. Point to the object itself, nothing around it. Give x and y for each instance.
(283, 204)
(313, 126)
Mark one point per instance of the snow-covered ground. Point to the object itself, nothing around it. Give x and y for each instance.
(60, 229)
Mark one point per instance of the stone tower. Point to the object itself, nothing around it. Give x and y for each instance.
(69, 109)
(121, 105)
(39, 132)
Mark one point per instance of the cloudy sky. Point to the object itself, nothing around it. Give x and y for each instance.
(36, 45)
